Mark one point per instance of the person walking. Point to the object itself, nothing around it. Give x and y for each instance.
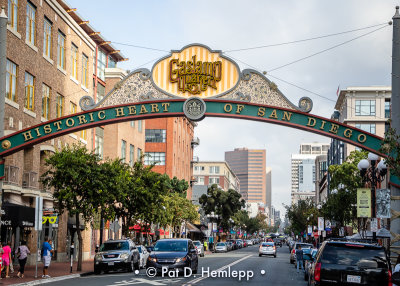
(6, 257)
(22, 255)
(299, 258)
(205, 245)
(46, 253)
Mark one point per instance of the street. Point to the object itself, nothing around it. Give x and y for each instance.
(243, 263)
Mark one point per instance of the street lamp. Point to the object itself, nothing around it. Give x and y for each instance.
(211, 217)
(373, 173)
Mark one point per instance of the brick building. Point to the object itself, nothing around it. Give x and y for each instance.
(54, 58)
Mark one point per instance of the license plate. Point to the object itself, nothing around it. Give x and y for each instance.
(353, 278)
(110, 263)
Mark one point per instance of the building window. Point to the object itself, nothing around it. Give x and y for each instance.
(133, 124)
(101, 90)
(101, 64)
(13, 14)
(98, 142)
(85, 71)
(213, 181)
(60, 105)
(371, 128)
(74, 61)
(47, 38)
(139, 154)
(123, 151)
(140, 128)
(214, 169)
(131, 155)
(155, 135)
(29, 91)
(387, 108)
(11, 81)
(300, 174)
(30, 23)
(111, 62)
(200, 181)
(72, 108)
(156, 158)
(61, 50)
(46, 102)
(365, 107)
(84, 134)
(313, 173)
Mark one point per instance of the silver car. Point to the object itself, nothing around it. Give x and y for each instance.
(221, 247)
(267, 248)
(200, 248)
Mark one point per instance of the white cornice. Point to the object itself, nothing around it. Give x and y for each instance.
(71, 23)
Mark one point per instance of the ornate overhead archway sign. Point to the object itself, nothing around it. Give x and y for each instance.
(194, 82)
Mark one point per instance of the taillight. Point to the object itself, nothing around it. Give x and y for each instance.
(390, 278)
(274, 247)
(317, 272)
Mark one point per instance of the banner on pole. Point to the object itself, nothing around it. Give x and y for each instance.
(383, 203)
(320, 223)
(363, 202)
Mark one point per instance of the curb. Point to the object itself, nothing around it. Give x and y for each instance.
(49, 280)
(86, 274)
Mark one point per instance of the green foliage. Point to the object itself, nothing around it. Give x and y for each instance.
(298, 214)
(391, 147)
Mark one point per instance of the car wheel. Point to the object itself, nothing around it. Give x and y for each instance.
(275, 256)
(137, 265)
(97, 270)
(202, 255)
(131, 266)
(259, 255)
(305, 276)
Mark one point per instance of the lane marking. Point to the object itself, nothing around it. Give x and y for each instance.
(220, 269)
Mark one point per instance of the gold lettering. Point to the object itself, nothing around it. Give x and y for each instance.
(273, 114)
(347, 133)
(58, 123)
(334, 128)
(91, 116)
(38, 132)
(120, 111)
(47, 129)
(173, 73)
(132, 110)
(311, 122)
(143, 109)
(27, 135)
(82, 119)
(67, 122)
(165, 106)
(287, 115)
(261, 111)
(101, 114)
(364, 138)
(227, 107)
(239, 108)
(322, 125)
(154, 108)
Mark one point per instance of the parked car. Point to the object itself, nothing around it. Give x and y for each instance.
(119, 254)
(221, 247)
(230, 245)
(249, 242)
(309, 258)
(200, 247)
(234, 244)
(350, 263)
(150, 248)
(297, 246)
(267, 248)
(306, 256)
(144, 255)
(174, 254)
(239, 243)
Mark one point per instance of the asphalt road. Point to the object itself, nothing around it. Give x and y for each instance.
(245, 264)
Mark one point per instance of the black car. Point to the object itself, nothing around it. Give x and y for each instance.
(174, 254)
(350, 263)
(234, 244)
(119, 254)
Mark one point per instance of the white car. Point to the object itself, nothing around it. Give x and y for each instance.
(144, 255)
(221, 247)
(267, 248)
(249, 242)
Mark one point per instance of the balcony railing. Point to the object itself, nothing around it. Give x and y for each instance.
(11, 175)
(30, 180)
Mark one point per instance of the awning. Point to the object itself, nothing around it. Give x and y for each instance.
(17, 215)
(191, 228)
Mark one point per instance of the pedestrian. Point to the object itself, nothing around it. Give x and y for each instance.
(22, 255)
(205, 245)
(46, 254)
(299, 258)
(6, 257)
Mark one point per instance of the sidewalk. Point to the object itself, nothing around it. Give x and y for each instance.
(56, 269)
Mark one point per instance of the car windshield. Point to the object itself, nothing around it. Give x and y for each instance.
(171, 245)
(139, 248)
(221, 244)
(354, 255)
(304, 245)
(114, 245)
(197, 243)
(267, 244)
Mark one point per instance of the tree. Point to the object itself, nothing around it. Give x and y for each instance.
(75, 175)
(301, 215)
(391, 147)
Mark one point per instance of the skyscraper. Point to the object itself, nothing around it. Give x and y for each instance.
(249, 167)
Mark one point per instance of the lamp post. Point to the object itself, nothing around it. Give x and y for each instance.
(373, 173)
(231, 221)
(211, 217)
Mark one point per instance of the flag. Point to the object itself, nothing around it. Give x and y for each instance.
(338, 90)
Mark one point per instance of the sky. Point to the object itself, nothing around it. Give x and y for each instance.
(232, 24)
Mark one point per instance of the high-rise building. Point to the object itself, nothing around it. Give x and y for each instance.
(249, 167)
(303, 170)
(269, 187)
(169, 144)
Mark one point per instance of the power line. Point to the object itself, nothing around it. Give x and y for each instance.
(327, 49)
(305, 40)
(140, 47)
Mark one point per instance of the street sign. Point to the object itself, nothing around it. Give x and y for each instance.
(38, 213)
(114, 226)
(320, 223)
